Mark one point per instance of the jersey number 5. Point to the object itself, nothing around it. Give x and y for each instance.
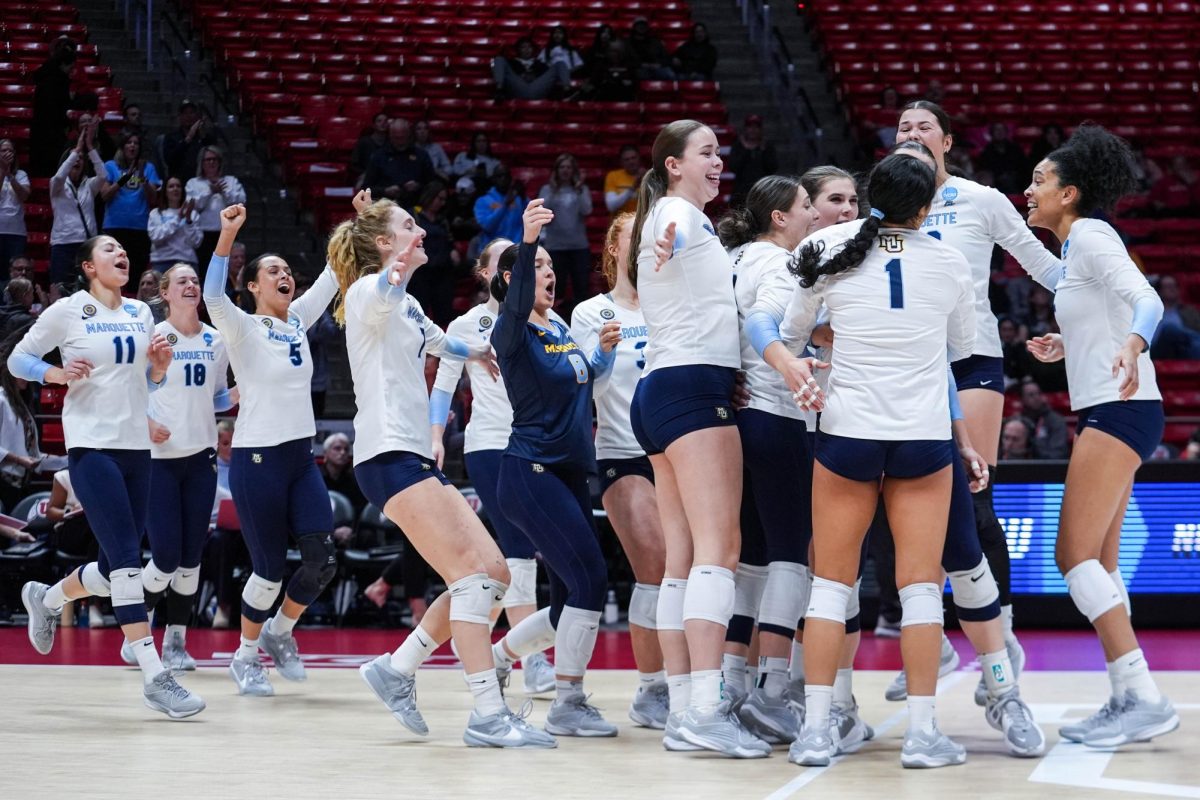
(896, 281)
(581, 370)
(294, 355)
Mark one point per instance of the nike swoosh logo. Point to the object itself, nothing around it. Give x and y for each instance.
(486, 587)
(133, 574)
(975, 579)
(422, 641)
(984, 383)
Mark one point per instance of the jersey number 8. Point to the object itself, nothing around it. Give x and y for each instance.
(581, 370)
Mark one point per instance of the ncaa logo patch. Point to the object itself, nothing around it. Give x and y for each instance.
(208, 339)
(607, 313)
(485, 322)
(949, 195)
(130, 309)
(89, 310)
(172, 339)
(722, 412)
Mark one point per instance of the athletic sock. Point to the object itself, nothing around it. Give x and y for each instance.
(648, 680)
(707, 690)
(733, 668)
(843, 688)
(55, 598)
(679, 690)
(567, 690)
(281, 624)
(176, 630)
(413, 651)
(997, 672)
(920, 714)
(751, 677)
(1006, 618)
(1134, 673)
(773, 676)
(796, 667)
(501, 657)
(485, 688)
(247, 650)
(1114, 678)
(817, 702)
(147, 658)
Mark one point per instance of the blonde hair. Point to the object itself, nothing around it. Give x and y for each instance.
(352, 252)
(482, 263)
(608, 260)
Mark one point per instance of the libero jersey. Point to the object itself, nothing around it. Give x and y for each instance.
(107, 409)
(897, 317)
(1094, 308)
(688, 305)
(973, 218)
(185, 403)
(613, 392)
(491, 413)
(271, 360)
(387, 339)
(762, 283)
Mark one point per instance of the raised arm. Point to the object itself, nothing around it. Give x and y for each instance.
(522, 284)
(1010, 232)
(230, 320)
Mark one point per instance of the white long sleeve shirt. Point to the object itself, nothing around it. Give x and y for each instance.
(210, 204)
(185, 402)
(74, 207)
(172, 237)
(613, 389)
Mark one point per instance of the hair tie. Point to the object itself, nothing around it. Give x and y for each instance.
(876, 213)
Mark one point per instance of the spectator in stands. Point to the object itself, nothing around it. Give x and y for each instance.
(1005, 159)
(1050, 438)
(437, 155)
(181, 147)
(237, 261)
(337, 470)
(1192, 451)
(460, 210)
(621, 184)
(1145, 169)
(433, 284)
(173, 229)
(225, 550)
(526, 76)
(131, 192)
(1014, 439)
(51, 101)
(654, 64)
(17, 311)
(371, 142)
(890, 103)
(1012, 343)
(1178, 191)
(210, 191)
(1040, 319)
(132, 122)
(499, 211)
(148, 292)
(14, 190)
(20, 456)
(612, 79)
(104, 143)
(559, 49)
(73, 192)
(750, 157)
(695, 59)
(476, 162)
(1051, 139)
(566, 238)
(598, 52)
(1178, 335)
(400, 169)
(22, 267)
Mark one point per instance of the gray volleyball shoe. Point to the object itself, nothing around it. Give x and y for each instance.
(930, 750)
(898, 689)
(506, 729)
(42, 621)
(574, 716)
(166, 695)
(283, 651)
(1010, 715)
(397, 691)
(250, 677)
(1137, 720)
(721, 731)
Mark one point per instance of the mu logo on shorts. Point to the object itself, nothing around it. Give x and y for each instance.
(256, 458)
(722, 413)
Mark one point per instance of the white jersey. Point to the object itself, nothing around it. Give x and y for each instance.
(761, 282)
(974, 218)
(387, 339)
(1094, 308)
(273, 365)
(688, 304)
(107, 409)
(613, 391)
(185, 402)
(897, 316)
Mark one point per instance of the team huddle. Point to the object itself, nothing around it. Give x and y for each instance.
(759, 388)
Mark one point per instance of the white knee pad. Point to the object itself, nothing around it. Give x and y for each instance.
(185, 581)
(921, 604)
(154, 579)
(828, 600)
(1092, 589)
(1119, 581)
(852, 605)
(260, 593)
(781, 603)
(805, 589)
(974, 588)
(709, 594)
(749, 583)
(126, 587)
(574, 640)
(531, 635)
(522, 587)
(96, 584)
(472, 597)
(643, 606)
(670, 604)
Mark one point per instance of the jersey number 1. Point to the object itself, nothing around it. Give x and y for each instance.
(896, 281)
(124, 354)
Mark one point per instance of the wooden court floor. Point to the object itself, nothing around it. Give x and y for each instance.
(82, 732)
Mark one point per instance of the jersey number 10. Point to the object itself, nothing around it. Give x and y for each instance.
(896, 282)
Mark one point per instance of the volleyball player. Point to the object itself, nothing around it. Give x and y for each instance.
(387, 334)
(543, 475)
(761, 235)
(683, 417)
(626, 477)
(183, 466)
(112, 359)
(276, 486)
(486, 437)
(974, 219)
(1104, 306)
(898, 301)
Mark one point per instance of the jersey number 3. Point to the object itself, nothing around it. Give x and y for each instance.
(895, 281)
(581, 370)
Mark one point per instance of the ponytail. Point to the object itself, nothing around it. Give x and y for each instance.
(752, 219)
(807, 265)
(505, 263)
(352, 251)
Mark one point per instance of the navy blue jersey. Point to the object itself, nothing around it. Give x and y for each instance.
(547, 376)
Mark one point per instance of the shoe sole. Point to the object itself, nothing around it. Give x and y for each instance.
(810, 758)
(171, 713)
(926, 762)
(367, 674)
(646, 721)
(736, 752)
(555, 730)
(1077, 738)
(1161, 729)
(27, 601)
(677, 745)
(852, 745)
(474, 740)
(539, 689)
(242, 691)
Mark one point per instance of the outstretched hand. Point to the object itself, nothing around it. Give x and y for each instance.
(664, 247)
(398, 269)
(362, 200)
(536, 217)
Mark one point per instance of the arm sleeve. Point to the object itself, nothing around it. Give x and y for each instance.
(60, 178)
(439, 406)
(450, 369)
(1112, 265)
(800, 318)
(312, 305)
(956, 412)
(518, 303)
(231, 321)
(601, 362)
(375, 301)
(772, 296)
(47, 333)
(1010, 232)
(438, 343)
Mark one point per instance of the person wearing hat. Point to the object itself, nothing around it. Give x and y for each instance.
(751, 157)
(181, 147)
(460, 210)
